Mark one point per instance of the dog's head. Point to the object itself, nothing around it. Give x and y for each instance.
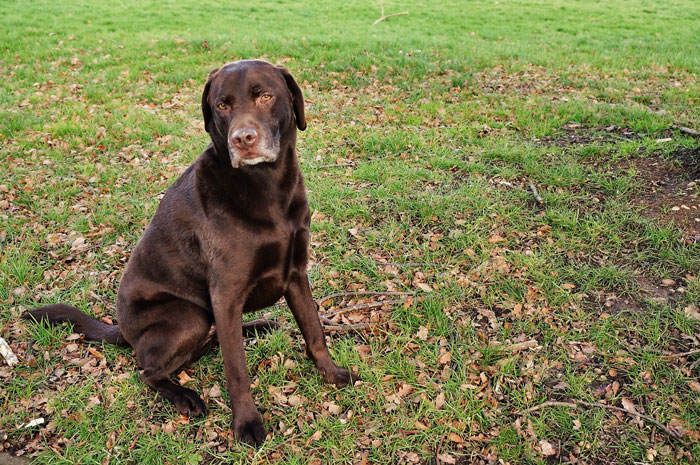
(249, 107)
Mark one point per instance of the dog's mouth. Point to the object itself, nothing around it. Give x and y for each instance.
(260, 153)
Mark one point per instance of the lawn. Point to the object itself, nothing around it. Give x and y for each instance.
(426, 135)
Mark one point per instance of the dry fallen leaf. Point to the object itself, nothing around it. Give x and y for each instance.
(184, 378)
(405, 390)
(494, 238)
(214, 391)
(628, 405)
(446, 458)
(95, 353)
(445, 358)
(548, 450)
(314, 437)
(425, 287)
(692, 311)
(332, 407)
(440, 400)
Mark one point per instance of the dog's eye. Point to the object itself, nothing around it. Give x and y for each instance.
(265, 97)
(221, 106)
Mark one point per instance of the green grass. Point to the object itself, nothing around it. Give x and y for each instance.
(431, 112)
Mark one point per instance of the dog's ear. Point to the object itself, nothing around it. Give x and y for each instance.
(297, 98)
(206, 108)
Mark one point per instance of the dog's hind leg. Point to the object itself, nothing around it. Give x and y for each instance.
(177, 334)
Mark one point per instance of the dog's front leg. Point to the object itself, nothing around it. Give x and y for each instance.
(247, 423)
(301, 302)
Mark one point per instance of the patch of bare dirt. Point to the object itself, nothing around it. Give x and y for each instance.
(673, 185)
(673, 193)
(573, 134)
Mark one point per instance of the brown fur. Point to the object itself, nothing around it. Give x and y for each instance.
(230, 236)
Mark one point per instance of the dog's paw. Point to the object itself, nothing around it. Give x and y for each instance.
(340, 377)
(249, 430)
(189, 403)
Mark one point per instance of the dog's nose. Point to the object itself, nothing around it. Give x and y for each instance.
(244, 138)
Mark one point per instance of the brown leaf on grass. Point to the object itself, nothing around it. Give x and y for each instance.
(440, 400)
(548, 450)
(630, 407)
(445, 358)
(184, 378)
(332, 407)
(692, 311)
(424, 287)
(314, 437)
(456, 438)
(95, 353)
(447, 458)
(495, 238)
(420, 425)
(169, 427)
(214, 391)
(405, 390)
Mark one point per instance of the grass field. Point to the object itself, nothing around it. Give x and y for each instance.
(425, 132)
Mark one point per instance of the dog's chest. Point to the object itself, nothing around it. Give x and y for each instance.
(274, 264)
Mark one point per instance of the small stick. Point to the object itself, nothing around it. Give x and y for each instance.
(7, 353)
(412, 264)
(437, 451)
(520, 346)
(579, 403)
(336, 165)
(344, 328)
(681, 354)
(356, 294)
(689, 131)
(381, 5)
(389, 16)
(365, 306)
(535, 193)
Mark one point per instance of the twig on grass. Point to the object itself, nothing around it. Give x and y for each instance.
(413, 264)
(685, 130)
(533, 189)
(535, 193)
(349, 327)
(356, 294)
(383, 17)
(365, 306)
(517, 347)
(329, 325)
(574, 403)
(336, 165)
(389, 16)
(437, 451)
(681, 354)
(520, 346)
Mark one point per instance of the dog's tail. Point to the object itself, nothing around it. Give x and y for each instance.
(93, 329)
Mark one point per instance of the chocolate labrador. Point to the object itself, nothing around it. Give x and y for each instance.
(230, 236)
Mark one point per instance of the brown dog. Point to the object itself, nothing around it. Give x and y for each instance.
(230, 236)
